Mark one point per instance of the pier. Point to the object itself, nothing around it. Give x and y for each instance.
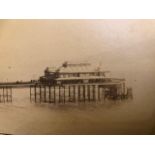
(78, 83)
(6, 90)
(25, 84)
(5, 94)
(78, 93)
(75, 83)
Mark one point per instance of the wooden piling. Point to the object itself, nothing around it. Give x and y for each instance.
(69, 94)
(6, 95)
(54, 95)
(40, 93)
(11, 94)
(44, 93)
(30, 93)
(88, 92)
(59, 94)
(35, 93)
(93, 91)
(3, 95)
(99, 95)
(74, 95)
(49, 94)
(64, 94)
(78, 92)
(0, 98)
(84, 96)
(124, 89)
(0, 95)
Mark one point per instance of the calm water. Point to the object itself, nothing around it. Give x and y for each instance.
(135, 116)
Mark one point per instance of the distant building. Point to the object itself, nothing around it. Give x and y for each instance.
(69, 73)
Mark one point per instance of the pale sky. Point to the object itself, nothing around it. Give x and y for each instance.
(27, 47)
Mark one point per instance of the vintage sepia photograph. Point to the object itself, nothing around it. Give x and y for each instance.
(77, 77)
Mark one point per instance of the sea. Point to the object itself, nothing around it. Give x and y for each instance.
(110, 117)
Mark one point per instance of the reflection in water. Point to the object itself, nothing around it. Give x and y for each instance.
(111, 117)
